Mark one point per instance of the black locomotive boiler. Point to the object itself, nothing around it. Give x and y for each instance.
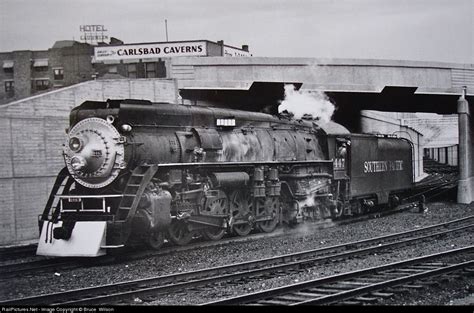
(138, 171)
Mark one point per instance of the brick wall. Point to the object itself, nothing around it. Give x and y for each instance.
(32, 132)
(22, 73)
(5, 75)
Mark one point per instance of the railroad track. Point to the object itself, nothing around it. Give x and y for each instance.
(17, 252)
(45, 264)
(147, 289)
(359, 286)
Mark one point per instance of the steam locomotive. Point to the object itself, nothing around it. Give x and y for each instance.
(142, 172)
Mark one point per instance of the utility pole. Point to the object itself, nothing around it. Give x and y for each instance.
(166, 29)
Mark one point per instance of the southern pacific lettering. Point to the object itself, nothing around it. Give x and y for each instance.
(382, 166)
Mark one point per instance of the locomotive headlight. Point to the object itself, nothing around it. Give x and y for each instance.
(75, 144)
(78, 163)
(126, 128)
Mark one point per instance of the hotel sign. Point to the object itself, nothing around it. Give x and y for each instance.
(93, 33)
(143, 51)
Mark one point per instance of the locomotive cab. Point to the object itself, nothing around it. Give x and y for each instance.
(341, 158)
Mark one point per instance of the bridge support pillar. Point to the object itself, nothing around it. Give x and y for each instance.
(466, 177)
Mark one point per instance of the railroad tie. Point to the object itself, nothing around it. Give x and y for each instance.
(412, 286)
(429, 283)
(382, 294)
(349, 303)
(411, 270)
(425, 267)
(367, 299)
(326, 291)
(273, 302)
(369, 280)
(469, 271)
(390, 275)
(346, 284)
(309, 295)
(292, 298)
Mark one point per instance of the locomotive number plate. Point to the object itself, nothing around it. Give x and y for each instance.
(74, 199)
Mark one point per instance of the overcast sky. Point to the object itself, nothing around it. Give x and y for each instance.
(427, 30)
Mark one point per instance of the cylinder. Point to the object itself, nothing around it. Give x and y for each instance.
(230, 179)
(258, 175)
(273, 174)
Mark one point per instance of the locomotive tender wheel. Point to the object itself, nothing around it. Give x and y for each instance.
(179, 234)
(241, 209)
(219, 205)
(156, 239)
(270, 208)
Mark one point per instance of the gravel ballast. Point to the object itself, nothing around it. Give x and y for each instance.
(299, 240)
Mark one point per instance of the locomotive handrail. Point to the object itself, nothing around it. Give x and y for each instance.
(88, 196)
(256, 163)
(105, 208)
(62, 175)
(306, 175)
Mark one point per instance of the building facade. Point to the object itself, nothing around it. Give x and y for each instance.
(68, 62)
(26, 73)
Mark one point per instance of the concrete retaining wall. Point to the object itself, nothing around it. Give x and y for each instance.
(32, 132)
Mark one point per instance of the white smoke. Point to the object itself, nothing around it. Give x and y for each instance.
(306, 102)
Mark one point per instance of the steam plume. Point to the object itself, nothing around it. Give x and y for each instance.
(305, 102)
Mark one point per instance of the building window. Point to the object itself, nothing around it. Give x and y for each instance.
(161, 69)
(41, 84)
(40, 65)
(150, 70)
(9, 88)
(40, 69)
(113, 69)
(58, 74)
(8, 66)
(132, 70)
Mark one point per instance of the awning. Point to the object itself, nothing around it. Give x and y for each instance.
(130, 61)
(7, 64)
(111, 62)
(150, 60)
(40, 63)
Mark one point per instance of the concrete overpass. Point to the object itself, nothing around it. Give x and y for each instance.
(334, 75)
(254, 83)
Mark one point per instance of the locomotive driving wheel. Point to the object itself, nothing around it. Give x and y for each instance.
(213, 233)
(241, 211)
(271, 209)
(156, 239)
(179, 233)
(219, 206)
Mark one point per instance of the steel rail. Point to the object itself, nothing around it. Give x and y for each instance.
(169, 283)
(16, 269)
(310, 289)
(15, 252)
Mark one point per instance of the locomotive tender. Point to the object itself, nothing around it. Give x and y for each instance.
(138, 171)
